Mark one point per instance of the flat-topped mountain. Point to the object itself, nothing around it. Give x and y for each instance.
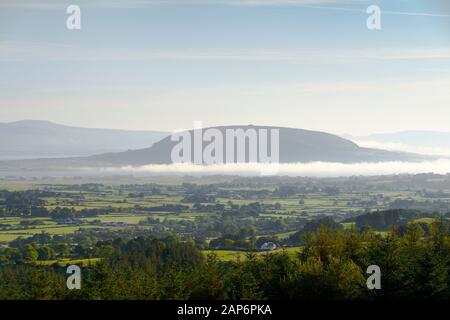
(295, 145)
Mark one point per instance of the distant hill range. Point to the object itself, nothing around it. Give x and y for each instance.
(420, 138)
(295, 145)
(44, 139)
(425, 142)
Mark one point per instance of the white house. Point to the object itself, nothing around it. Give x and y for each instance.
(268, 246)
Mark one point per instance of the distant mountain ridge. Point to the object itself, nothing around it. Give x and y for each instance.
(44, 139)
(423, 142)
(418, 138)
(295, 146)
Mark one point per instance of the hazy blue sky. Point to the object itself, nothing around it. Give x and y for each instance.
(160, 65)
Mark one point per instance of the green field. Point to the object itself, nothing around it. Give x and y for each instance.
(66, 262)
(121, 198)
(233, 255)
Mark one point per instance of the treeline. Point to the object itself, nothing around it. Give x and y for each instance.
(174, 208)
(332, 265)
(18, 203)
(31, 203)
(385, 220)
(313, 226)
(62, 213)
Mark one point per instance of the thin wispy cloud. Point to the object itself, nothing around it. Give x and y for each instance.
(22, 51)
(56, 4)
(363, 10)
(311, 4)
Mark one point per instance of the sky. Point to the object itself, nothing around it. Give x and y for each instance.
(161, 65)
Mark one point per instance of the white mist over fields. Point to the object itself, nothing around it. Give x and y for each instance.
(311, 169)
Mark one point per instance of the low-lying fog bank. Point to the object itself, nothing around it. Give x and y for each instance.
(312, 169)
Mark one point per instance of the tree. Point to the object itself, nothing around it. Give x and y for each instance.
(46, 253)
(30, 253)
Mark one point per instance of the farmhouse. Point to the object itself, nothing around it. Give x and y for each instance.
(268, 246)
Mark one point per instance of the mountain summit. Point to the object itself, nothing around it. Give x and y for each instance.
(295, 145)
